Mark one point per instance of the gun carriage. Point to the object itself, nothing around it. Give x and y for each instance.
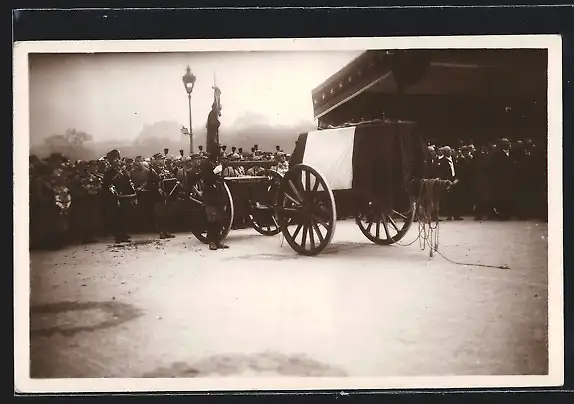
(367, 158)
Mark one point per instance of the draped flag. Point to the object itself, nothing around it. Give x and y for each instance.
(370, 159)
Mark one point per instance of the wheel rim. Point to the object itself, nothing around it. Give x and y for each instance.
(306, 210)
(198, 227)
(262, 213)
(385, 228)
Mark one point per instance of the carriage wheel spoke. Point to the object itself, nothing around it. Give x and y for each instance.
(297, 230)
(307, 181)
(369, 227)
(318, 231)
(311, 237)
(321, 221)
(394, 224)
(316, 185)
(296, 202)
(294, 189)
(378, 229)
(400, 214)
(304, 236)
(386, 230)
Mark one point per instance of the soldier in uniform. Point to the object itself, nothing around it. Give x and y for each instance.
(282, 165)
(86, 207)
(209, 172)
(140, 177)
(159, 193)
(256, 169)
(120, 196)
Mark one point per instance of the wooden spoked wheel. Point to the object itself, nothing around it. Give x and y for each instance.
(306, 210)
(199, 219)
(386, 228)
(262, 207)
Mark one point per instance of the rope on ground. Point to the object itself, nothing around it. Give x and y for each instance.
(427, 206)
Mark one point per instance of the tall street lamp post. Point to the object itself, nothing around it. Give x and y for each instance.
(189, 82)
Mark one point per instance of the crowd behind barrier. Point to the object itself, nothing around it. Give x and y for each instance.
(495, 181)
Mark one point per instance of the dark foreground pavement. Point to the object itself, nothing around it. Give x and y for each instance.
(175, 309)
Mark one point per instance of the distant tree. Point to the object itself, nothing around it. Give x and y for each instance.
(72, 144)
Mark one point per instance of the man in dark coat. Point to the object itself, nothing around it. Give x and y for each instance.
(120, 194)
(503, 175)
(446, 171)
(463, 190)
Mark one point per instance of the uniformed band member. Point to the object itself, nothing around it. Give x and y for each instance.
(120, 196)
(86, 207)
(161, 198)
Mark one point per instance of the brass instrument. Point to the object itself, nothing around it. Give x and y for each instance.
(168, 184)
(123, 175)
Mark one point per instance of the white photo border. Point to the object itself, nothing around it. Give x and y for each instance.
(23, 382)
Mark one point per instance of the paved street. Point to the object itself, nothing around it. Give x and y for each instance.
(173, 308)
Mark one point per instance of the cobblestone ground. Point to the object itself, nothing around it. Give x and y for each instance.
(175, 309)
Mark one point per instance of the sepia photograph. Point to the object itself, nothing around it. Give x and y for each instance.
(288, 214)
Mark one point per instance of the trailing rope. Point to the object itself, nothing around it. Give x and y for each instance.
(427, 211)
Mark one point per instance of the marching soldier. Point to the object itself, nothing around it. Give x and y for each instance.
(120, 196)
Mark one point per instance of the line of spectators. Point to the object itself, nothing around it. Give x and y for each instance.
(499, 180)
(67, 197)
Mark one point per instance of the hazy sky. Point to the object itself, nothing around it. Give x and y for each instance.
(113, 96)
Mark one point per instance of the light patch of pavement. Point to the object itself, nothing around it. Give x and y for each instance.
(358, 309)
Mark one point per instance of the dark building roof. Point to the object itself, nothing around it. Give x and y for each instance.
(441, 72)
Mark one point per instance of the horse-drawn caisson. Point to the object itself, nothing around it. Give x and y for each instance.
(368, 168)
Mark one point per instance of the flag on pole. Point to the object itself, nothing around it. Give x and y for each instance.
(184, 130)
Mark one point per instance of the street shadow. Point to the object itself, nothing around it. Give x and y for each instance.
(49, 319)
(260, 364)
(244, 236)
(340, 250)
(134, 244)
(272, 257)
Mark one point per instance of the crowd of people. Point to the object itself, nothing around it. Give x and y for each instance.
(498, 181)
(68, 199)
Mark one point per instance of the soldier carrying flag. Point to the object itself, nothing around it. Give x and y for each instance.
(209, 170)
